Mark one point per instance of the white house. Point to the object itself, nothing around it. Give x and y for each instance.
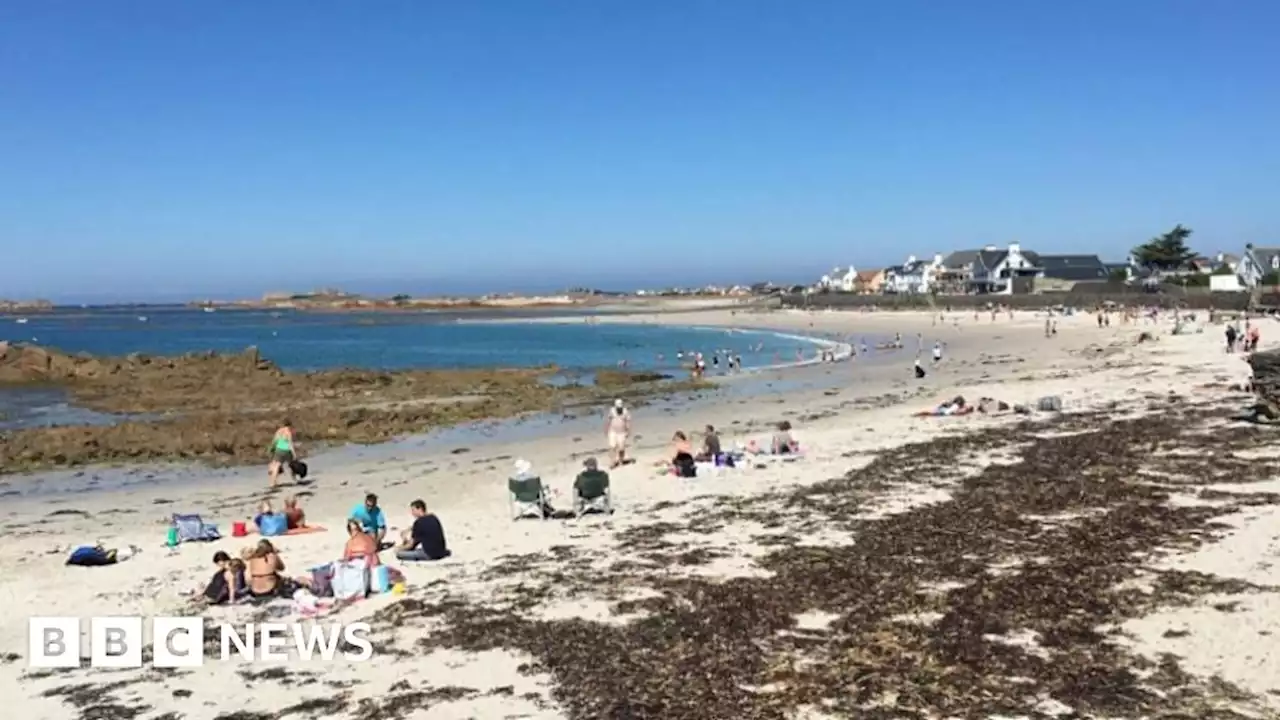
(913, 276)
(990, 270)
(840, 279)
(1257, 263)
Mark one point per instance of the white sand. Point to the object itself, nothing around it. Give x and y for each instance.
(1008, 359)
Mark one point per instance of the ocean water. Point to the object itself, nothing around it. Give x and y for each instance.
(317, 341)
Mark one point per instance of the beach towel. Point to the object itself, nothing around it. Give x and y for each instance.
(305, 530)
(350, 579)
(192, 529)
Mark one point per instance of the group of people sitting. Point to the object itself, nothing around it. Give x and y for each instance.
(259, 571)
(684, 460)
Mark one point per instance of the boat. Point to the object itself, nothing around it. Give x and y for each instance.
(209, 309)
(142, 318)
(21, 321)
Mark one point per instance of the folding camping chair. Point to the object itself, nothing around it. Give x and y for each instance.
(526, 498)
(591, 493)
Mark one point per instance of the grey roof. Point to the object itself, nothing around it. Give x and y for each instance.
(1073, 267)
(1264, 255)
(980, 262)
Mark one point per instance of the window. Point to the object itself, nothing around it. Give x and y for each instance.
(1275, 262)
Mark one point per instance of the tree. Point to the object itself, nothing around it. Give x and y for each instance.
(1223, 269)
(1165, 252)
(1118, 275)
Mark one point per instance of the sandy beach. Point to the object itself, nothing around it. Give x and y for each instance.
(1118, 559)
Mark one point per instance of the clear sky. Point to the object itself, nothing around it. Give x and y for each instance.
(156, 149)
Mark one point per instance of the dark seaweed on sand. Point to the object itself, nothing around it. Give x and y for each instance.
(994, 601)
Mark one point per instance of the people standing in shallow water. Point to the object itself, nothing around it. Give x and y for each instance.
(283, 453)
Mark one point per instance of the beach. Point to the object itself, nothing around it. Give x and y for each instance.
(1115, 559)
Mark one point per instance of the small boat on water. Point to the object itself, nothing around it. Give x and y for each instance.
(209, 309)
(142, 318)
(21, 321)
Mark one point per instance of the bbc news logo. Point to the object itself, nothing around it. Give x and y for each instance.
(118, 642)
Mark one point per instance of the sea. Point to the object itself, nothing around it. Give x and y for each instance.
(303, 341)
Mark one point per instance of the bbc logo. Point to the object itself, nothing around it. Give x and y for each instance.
(117, 642)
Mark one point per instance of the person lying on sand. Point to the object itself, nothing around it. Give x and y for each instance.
(371, 519)
(293, 513)
(425, 540)
(360, 544)
(264, 510)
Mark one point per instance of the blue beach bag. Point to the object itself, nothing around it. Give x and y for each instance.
(273, 524)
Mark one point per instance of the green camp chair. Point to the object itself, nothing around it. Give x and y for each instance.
(526, 498)
(591, 493)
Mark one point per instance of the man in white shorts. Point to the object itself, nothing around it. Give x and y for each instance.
(617, 428)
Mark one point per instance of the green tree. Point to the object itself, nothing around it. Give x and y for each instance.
(1223, 269)
(1271, 279)
(1165, 252)
(1118, 275)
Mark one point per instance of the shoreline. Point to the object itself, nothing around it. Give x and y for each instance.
(991, 559)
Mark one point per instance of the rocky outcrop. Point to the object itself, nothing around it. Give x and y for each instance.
(1266, 378)
(25, 305)
(25, 363)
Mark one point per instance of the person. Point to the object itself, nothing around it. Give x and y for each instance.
(425, 540)
(1232, 334)
(682, 455)
(710, 445)
(783, 442)
(264, 510)
(284, 451)
(360, 544)
(263, 569)
(1252, 337)
(293, 514)
(920, 372)
(371, 519)
(937, 352)
(227, 581)
(617, 429)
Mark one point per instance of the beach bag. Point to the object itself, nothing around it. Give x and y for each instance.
(350, 579)
(322, 581)
(91, 556)
(380, 579)
(192, 529)
(273, 524)
(299, 469)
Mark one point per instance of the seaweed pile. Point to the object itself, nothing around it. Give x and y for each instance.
(1002, 599)
(1266, 376)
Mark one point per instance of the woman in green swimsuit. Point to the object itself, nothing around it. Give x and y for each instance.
(283, 453)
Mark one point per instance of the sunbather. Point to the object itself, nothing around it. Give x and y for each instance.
(264, 510)
(682, 455)
(371, 519)
(293, 514)
(360, 544)
(784, 443)
(710, 446)
(264, 568)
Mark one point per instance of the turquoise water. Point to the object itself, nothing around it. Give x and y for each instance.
(315, 341)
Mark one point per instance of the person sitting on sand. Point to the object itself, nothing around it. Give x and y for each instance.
(682, 455)
(919, 370)
(227, 582)
(371, 519)
(783, 442)
(360, 544)
(710, 445)
(293, 513)
(425, 540)
(284, 451)
(264, 567)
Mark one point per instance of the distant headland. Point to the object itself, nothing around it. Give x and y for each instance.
(339, 300)
(25, 305)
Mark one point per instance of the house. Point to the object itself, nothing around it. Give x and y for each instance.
(913, 276)
(840, 280)
(991, 270)
(1227, 260)
(1074, 268)
(1257, 263)
(869, 281)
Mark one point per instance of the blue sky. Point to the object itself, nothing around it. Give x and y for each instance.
(175, 149)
